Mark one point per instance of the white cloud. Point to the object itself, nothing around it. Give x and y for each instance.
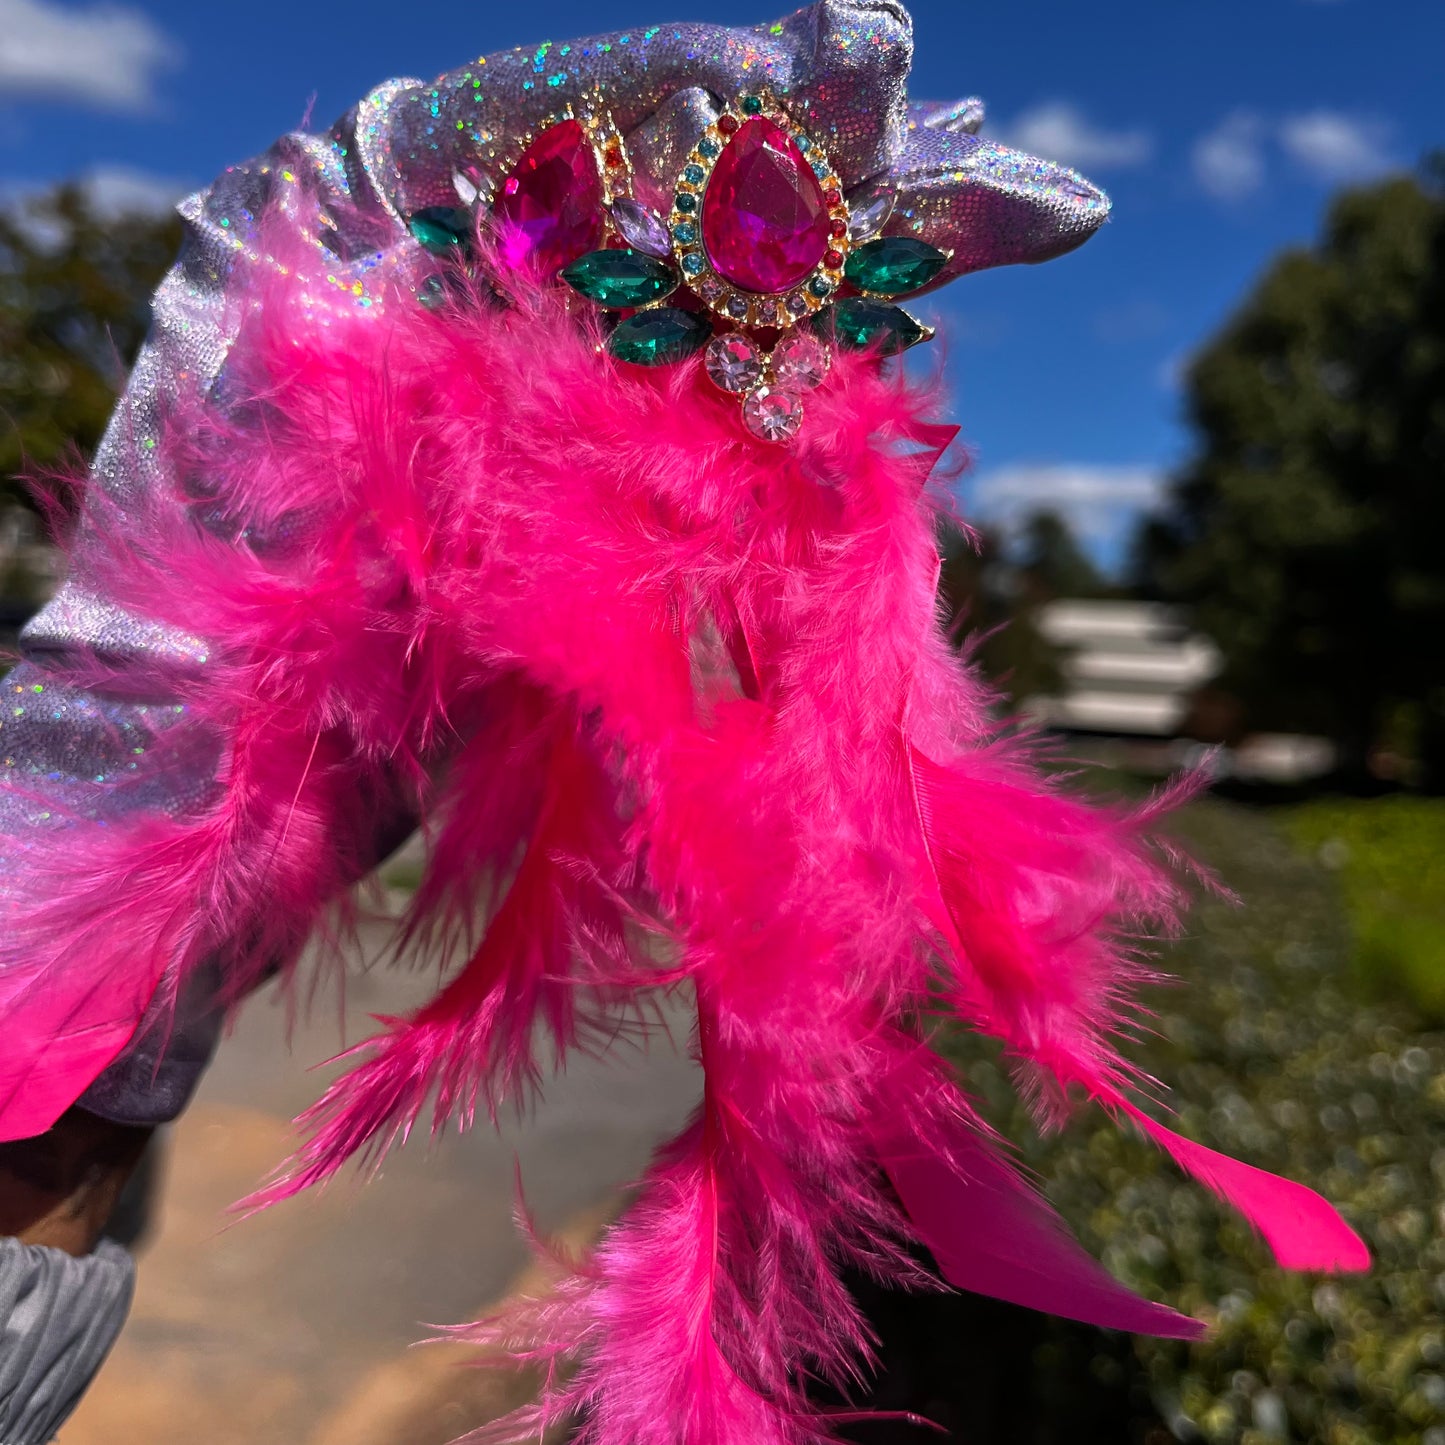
(1229, 160)
(107, 57)
(112, 191)
(1058, 131)
(125, 191)
(1232, 161)
(1333, 146)
(1098, 502)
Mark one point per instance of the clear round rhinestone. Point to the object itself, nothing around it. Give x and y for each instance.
(737, 306)
(772, 413)
(800, 361)
(709, 288)
(797, 303)
(868, 213)
(640, 228)
(733, 362)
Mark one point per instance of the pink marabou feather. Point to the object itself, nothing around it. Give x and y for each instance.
(632, 664)
(1035, 894)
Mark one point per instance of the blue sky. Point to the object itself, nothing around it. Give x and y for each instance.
(1220, 129)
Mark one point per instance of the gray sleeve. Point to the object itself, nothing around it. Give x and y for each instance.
(59, 1316)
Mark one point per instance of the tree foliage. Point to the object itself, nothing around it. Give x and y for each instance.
(993, 592)
(1307, 529)
(75, 289)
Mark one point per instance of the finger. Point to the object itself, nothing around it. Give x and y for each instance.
(849, 90)
(659, 146)
(987, 204)
(842, 63)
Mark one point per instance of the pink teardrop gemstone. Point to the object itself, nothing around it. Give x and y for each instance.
(549, 211)
(764, 219)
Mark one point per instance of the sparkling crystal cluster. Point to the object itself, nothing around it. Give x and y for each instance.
(763, 264)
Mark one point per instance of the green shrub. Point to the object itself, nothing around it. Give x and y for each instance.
(1272, 1058)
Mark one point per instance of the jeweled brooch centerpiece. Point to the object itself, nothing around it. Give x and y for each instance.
(763, 262)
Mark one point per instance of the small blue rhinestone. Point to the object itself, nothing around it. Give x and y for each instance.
(708, 148)
(803, 143)
(692, 263)
(685, 232)
(820, 286)
(693, 174)
(686, 201)
(820, 167)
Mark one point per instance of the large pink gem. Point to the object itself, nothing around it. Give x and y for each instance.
(549, 211)
(764, 220)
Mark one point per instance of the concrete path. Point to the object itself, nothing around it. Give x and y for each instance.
(294, 1328)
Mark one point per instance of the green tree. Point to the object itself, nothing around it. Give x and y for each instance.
(1051, 564)
(75, 291)
(1306, 532)
(993, 592)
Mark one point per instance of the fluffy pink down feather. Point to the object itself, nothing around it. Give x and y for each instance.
(677, 705)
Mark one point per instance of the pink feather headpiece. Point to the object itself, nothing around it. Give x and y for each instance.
(672, 700)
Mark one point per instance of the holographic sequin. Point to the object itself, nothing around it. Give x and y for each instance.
(68, 756)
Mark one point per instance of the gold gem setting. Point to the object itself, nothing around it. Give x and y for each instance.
(751, 308)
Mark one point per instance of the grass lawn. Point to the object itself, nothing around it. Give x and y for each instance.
(1389, 854)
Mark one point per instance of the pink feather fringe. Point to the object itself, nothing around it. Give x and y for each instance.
(662, 672)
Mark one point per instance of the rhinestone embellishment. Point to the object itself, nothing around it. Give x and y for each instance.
(773, 414)
(800, 362)
(733, 362)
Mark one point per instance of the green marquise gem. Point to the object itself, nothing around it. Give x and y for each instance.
(893, 265)
(433, 293)
(620, 279)
(862, 325)
(659, 336)
(440, 228)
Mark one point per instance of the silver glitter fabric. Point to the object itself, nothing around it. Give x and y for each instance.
(76, 759)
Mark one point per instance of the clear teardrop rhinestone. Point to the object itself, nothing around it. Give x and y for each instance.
(733, 362)
(773, 414)
(867, 214)
(640, 228)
